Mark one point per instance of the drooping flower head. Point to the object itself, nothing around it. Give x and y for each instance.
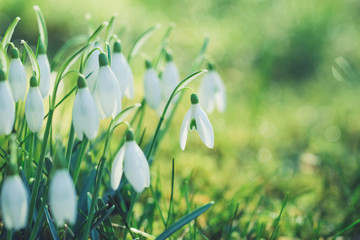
(62, 198)
(85, 114)
(170, 77)
(131, 160)
(34, 107)
(212, 91)
(152, 86)
(196, 119)
(91, 69)
(122, 71)
(107, 91)
(17, 76)
(14, 203)
(7, 106)
(45, 71)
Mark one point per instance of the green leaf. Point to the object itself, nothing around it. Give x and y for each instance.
(97, 31)
(102, 218)
(3, 61)
(184, 220)
(187, 80)
(42, 26)
(141, 40)
(51, 224)
(34, 62)
(109, 230)
(110, 28)
(9, 32)
(122, 115)
(277, 220)
(200, 57)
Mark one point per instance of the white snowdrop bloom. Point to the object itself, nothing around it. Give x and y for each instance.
(14, 203)
(34, 107)
(122, 71)
(7, 106)
(107, 91)
(170, 78)
(197, 119)
(131, 160)
(45, 72)
(152, 87)
(212, 91)
(85, 114)
(17, 76)
(91, 69)
(62, 198)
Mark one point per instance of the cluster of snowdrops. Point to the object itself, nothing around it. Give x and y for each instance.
(103, 80)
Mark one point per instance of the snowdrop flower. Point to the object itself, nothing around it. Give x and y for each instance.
(132, 161)
(197, 119)
(122, 71)
(17, 76)
(170, 77)
(7, 106)
(152, 86)
(85, 114)
(212, 91)
(107, 91)
(14, 203)
(91, 69)
(34, 107)
(44, 66)
(62, 198)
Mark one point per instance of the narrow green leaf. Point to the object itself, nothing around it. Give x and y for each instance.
(188, 79)
(51, 224)
(109, 230)
(9, 32)
(110, 28)
(34, 62)
(141, 40)
(3, 61)
(200, 57)
(102, 218)
(172, 191)
(353, 224)
(97, 31)
(277, 220)
(42, 26)
(184, 220)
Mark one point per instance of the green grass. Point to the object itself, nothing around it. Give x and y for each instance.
(289, 127)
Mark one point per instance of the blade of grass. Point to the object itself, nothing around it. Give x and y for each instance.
(277, 220)
(9, 32)
(172, 192)
(42, 26)
(184, 220)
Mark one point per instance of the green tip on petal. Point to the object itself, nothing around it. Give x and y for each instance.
(194, 99)
(81, 82)
(2, 75)
(117, 46)
(130, 135)
(41, 49)
(169, 56)
(103, 60)
(33, 81)
(14, 53)
(12, 170)
(148, 64)
(211, 66)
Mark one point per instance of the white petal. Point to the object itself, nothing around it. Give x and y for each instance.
(14, 203)
(34, 109)
(17, 79)
(105, 92)
(117, 169)
(184, 129)
(204, 127)
(123, 74)
(44, 66)
(220, 93)
(136, 167)
(7, 108)
(62, 198)
(152, 88)
(85, 115)
(170, 79)
(92, 66)
(206, 92)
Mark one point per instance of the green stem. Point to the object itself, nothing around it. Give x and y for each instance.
(29, 161)
(70, 146)
(9, 235)
(97, 184)
(84, 144)
(38, 177)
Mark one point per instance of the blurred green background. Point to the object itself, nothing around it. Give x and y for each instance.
(289, 126)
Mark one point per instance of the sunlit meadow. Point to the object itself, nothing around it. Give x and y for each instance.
(179, 119)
